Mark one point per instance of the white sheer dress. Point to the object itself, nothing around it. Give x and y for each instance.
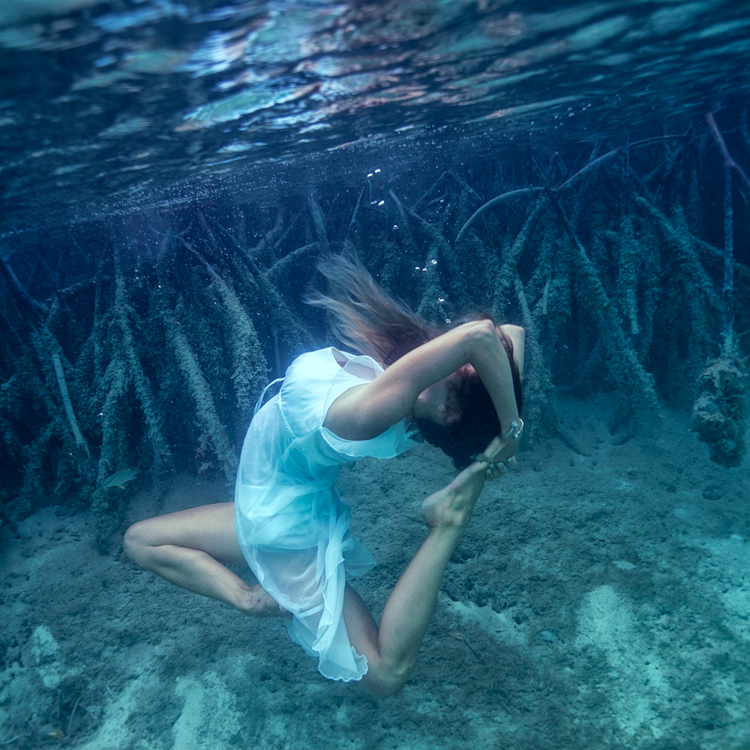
(292, 525)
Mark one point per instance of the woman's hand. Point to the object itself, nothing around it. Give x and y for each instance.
(499, 456)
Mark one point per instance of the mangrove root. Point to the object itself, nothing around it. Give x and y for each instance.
(720, 412)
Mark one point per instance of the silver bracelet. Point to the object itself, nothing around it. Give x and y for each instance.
(515, 432)
(516, 429)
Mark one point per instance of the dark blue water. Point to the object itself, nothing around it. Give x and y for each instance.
(106, 107)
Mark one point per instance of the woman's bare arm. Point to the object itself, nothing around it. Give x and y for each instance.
(366, 411)
(518, 336)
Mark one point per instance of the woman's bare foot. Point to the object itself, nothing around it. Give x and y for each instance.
(452, 506)
(259, 603)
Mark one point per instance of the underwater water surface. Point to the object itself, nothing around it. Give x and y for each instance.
(113, 106)
(171, 173)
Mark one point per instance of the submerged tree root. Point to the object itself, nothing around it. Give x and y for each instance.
(151, 358)
(720, 410)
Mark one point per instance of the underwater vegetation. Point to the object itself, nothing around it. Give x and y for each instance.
(145, 345)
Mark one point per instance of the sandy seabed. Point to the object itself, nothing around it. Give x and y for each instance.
(596, 601)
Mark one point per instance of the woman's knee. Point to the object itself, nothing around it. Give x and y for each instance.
(135, 544)
(387, 681)
(386, 688)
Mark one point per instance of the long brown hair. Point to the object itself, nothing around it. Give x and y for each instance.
(479, 423)
(365, 317)
(368, 319)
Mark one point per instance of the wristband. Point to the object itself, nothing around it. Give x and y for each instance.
(516, 430)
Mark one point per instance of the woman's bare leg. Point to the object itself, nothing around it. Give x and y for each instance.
(188, 548)
(392, 649)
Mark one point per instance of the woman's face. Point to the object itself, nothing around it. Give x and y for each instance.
(438, 403)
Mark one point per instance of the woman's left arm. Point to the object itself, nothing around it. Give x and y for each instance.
(517, 335)
(365, 411)
(499, 383)
(493, 367)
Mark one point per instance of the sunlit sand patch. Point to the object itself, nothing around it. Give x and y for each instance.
(208, 711)
(638, 680)
(729, 567)
(115, 731)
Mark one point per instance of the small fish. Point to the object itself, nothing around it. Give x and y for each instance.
(120, 478)
(57, 734)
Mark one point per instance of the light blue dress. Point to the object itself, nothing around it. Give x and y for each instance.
(292, 525)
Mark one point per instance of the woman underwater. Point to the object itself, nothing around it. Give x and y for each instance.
(459, 390)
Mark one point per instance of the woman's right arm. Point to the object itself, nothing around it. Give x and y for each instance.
(366, 411)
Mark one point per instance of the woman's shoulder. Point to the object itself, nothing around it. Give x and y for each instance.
(332, 360)
(311, 371)
(322, 356)
(316, 379)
